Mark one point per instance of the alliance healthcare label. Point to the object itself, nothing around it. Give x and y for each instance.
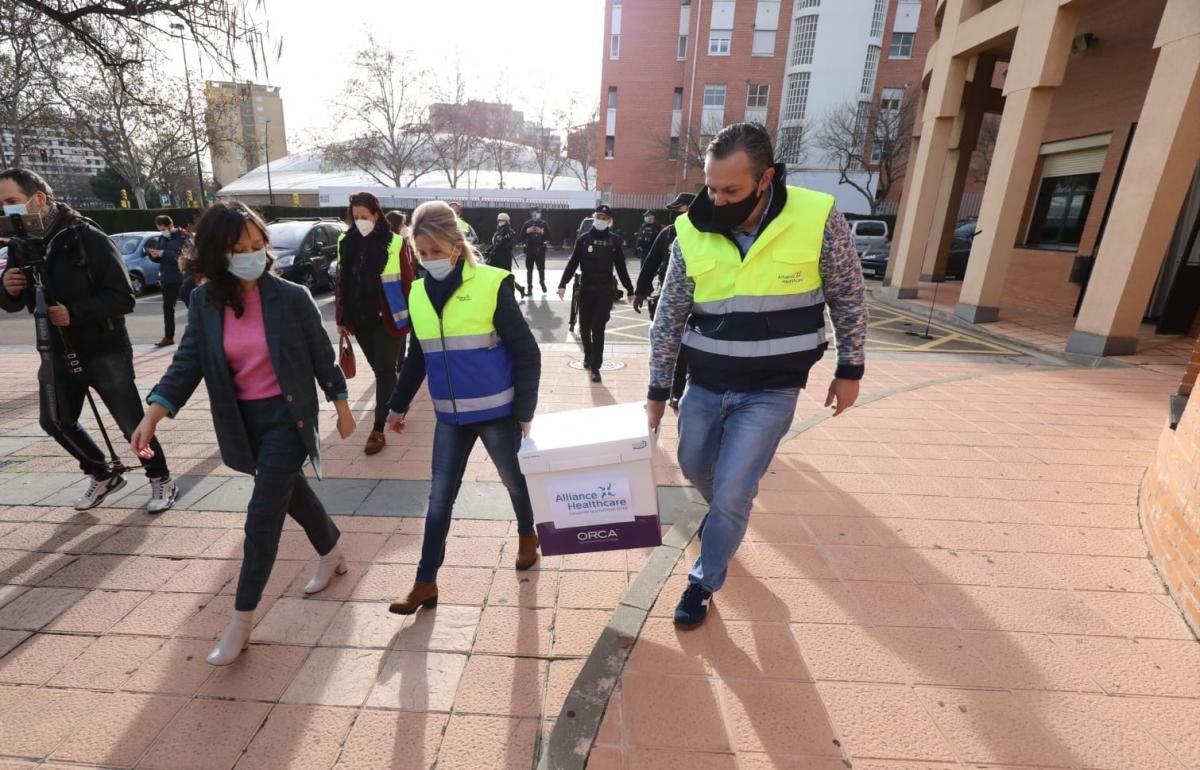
(587, 499)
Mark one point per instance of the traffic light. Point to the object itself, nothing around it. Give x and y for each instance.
(124, 198)
(42, 152)
(296, 200)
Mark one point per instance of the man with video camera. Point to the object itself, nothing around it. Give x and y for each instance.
(85, 296)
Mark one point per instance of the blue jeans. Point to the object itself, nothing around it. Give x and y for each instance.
(452, 445)
(726, 442)
(280, 490)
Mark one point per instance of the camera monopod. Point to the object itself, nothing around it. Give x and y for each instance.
(42, 327)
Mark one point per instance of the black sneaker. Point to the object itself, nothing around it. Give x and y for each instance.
(595, 376)
(693, 607)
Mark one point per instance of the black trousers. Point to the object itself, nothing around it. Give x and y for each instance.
(170, 295)
(111, 376)
(280, 489)
(385, 354)
(595, 307)
(535, 258)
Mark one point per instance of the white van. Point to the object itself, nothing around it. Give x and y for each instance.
(870, 233)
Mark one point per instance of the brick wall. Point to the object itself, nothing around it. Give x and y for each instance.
(1170, 503)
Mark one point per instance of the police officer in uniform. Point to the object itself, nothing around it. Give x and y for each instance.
(597, 254)
(534, 236)
(655, 264)
(501, 253)
(646, 235)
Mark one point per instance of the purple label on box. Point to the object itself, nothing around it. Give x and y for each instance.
(642, 532)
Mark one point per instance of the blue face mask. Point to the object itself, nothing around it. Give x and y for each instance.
(248, 266)
(19, 208)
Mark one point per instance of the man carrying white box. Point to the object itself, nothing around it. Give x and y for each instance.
(754, 266)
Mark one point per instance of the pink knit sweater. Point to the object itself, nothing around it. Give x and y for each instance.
(246, 351)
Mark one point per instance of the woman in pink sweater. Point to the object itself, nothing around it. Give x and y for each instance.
(261, 380)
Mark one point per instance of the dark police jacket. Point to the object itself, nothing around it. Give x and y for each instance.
(301, 355)
(84, 273)
(534, 243)
(596, 255)
(645, 238)
(656, 261)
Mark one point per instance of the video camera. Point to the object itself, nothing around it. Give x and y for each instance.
(26, 246)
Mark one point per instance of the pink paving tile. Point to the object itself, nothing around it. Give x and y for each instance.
(119, 732)
(298, 738)
(773, 560)
(400, 548)
(530, 588)
(160, 614)
(393, 740)
(1099, 731)
(778, 528)
(600, 561)
(1102, 573)
(906, 733)
(296, 621)
(848, 654)
(1138, 667)
(897, 604)
(577, 631)
(460, 585)
(10, 639)
(1175, 722)
(746, 650)
(868, 563)
(661, 648)
(203, 576)
(804, 601)
(41, 657)
(999, 727)
(107, 664)
(502, 686)
(261, 673)
(97, 612)
(283, 574)
(591, 590)
(560, 681)
(335, 677)
(36, 721)
(206, 734)
(383, 582)
(843, 530)
(37, 607)
(1139, 615)
(473, 551)
(445, 629)
(362, 624)
(1023, 661)
(417, 681)
(663, 759)
(517, 631)
(787, 717)
(604, 759)
(361, 546)
(473, 742)
(672, 712)
(1016, 609)
(177, 668)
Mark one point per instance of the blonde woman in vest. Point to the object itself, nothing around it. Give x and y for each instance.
(375, 272)
(472, 343)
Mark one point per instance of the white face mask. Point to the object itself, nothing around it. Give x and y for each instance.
(599, 224)
(438, 269)
(365, 226)
(20, 208)
(248, 266)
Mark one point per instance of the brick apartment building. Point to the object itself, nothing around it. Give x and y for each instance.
(675, 72)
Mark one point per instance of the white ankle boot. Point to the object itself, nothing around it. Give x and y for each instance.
(235, 639)
(332, 563)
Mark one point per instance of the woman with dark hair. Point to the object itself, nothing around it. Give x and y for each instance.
(260, 379)
(375, 272)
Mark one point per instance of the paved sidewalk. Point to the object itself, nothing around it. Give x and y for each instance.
(951, 575)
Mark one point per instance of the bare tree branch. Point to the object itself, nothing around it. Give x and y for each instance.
(848, 132)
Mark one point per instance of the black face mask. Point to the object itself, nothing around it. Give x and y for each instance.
(732, 215)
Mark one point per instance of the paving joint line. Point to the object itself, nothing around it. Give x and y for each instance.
(578, 722)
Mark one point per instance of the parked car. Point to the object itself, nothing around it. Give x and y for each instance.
(870, 232)
(875, 260)
(304, 250)
(135, 248)
(960, 247)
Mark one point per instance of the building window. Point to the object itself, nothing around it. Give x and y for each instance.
(714, 96)
(612, 97)
(789, 145)
(757, 95)
(862, 116)
(610, 145)
(802, 4)
(764, 43)
(718, 42)
(795, 96)
(877, 18)
(1061, 210)
(673, 149)
(614, 46)
(890, 100)
(677, 99)
(902, 45)
(682, 53)
(869, 69)
(804, 40)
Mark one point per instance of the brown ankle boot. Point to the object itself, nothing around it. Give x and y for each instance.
(375, 443)
(422, 595)
(527, 551)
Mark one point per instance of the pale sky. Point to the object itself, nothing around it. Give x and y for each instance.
(509, 50)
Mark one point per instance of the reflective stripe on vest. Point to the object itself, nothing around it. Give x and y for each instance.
(392, 278)
(779, 276)
(469, 369)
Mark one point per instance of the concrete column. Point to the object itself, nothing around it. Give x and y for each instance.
(1039, 61)
(943, 99)
(1158, 173)
(954, 179)
(914, 149)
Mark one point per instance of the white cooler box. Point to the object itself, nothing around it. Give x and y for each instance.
(591, 480)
